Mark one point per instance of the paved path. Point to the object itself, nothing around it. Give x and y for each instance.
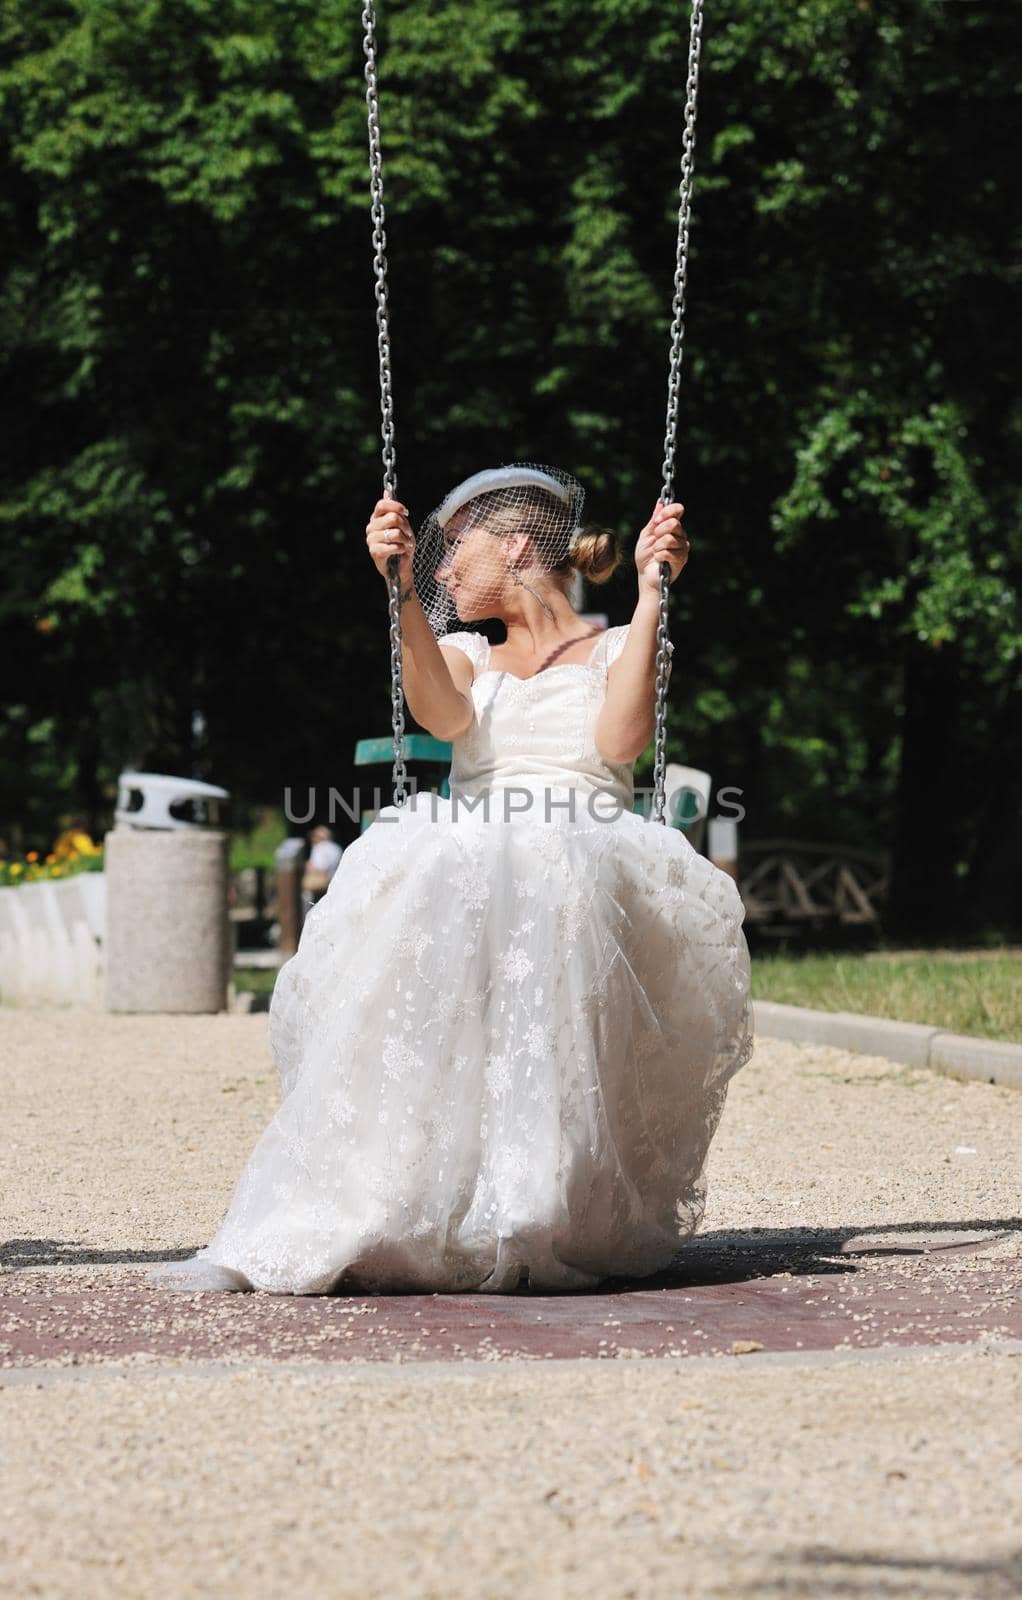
(726, 1298)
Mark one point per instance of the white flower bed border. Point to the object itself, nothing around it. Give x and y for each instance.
(52, 938)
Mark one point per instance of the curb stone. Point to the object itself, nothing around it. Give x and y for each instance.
(987, 1059)
(912, 1043)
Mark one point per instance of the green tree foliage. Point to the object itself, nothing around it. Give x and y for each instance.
(189, 362)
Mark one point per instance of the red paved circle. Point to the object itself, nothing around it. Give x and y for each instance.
(785, 1292)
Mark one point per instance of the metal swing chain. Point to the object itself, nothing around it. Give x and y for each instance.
(400, 774)
(673, 384)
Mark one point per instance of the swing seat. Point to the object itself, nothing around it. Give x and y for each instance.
(687, 800)
(426, 758)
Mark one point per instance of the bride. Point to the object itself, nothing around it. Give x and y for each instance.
(505, 1040)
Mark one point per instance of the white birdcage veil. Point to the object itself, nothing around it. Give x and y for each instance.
(463, 544)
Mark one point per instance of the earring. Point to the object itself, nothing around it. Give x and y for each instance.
(523, 585)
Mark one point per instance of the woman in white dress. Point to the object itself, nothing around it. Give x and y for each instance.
(505, 1040)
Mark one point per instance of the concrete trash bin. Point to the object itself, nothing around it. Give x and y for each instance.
(169, 939)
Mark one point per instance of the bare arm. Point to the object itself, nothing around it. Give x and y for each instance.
(436, 682)
(627, 719)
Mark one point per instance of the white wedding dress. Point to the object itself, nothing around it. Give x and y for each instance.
(505, 1039)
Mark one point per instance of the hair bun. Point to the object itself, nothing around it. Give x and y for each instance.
(596, 554)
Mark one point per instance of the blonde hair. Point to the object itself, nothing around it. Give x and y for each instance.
(595, 552)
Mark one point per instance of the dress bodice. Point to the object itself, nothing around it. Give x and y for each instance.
(538, 730)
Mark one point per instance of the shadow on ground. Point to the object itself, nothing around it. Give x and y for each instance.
(727, 1255)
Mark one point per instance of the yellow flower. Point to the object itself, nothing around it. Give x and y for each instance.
(72, 843)
(16, 866)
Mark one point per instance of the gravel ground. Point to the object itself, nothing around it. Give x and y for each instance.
(653, 1480)
(870, 1474)
(126, 1135)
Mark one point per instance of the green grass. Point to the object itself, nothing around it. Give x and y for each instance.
(255, 848)
(255, 980)
(977, 993)
(973, 992)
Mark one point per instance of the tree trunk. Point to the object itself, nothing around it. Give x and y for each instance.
(995, 883)
(926, 846)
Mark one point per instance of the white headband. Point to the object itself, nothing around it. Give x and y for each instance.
(497, 478)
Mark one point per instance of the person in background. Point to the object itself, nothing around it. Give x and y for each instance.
(324, 858)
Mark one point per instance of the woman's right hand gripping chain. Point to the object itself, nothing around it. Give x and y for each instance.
(389, 533)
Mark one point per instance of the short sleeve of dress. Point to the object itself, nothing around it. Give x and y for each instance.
(472, 645)
(615, 643)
